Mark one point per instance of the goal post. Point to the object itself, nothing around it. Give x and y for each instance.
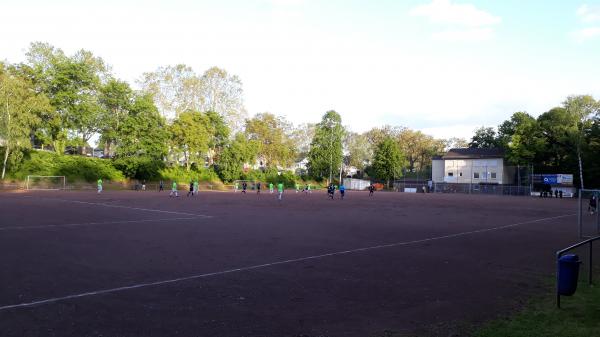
(46, 182)
(251, 184)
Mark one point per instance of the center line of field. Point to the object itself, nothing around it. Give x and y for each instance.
(91, 223)
(276, 263)
(129, 207)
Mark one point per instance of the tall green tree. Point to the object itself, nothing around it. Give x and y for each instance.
(326, 150)
(19, 112)
(142, 140)
(72, 84)
(582, 109)
(116, 100)
(190, 134)
(522, 138)
(388, 160)
(484, 138)
(273, 136)
(219, 135)
(239, 151)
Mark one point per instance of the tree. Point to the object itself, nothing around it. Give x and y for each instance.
(219, 135)
(115, 98)
(19, 109)
(72, 84)
(223, 94)
(143, 131)
(358, 149)
(272, 133)
(522, 138)
(582, 109)
(484, 138)
(455, 143)
(231, 162)
(388, 160)
(326, 153)
(418, 148)
(302, 136)
(175, 89)
(377, 135)
(191, 135)
(40, 69)
(556, 127)
(142, 140)
(178, 88)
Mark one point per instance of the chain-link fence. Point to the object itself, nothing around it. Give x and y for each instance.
(492, 189)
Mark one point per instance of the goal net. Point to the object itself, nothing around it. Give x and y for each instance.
(46, 183)
(250, 185)
(587, 213)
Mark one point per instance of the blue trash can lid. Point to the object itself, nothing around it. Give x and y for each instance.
(569, 258)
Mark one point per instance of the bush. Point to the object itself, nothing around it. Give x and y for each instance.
(75, 168)
(141, 168)
(180, 174)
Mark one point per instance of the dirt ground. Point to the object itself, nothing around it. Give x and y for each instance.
(132, 263)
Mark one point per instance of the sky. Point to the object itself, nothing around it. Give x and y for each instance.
(444, 67)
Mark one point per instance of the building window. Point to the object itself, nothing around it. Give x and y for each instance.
(493, 175)
(475, 175)
(460, 174)
(450, 174)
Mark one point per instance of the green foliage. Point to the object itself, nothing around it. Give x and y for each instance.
(19, 109)
(182, 175)
(190, 133)
(326, 155)
(388, 161)
(484, 138)
(75, 168)
(522, 138)
(116, 99)
(273, 136)
(231, 161)
(143, 132)
(141, 168)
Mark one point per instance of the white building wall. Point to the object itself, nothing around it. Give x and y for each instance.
(437, 170)
(474, 171)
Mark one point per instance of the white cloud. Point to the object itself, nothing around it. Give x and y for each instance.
(585, 34)
(589, 14)
(446, 12)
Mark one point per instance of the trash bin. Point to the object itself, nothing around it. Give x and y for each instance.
(568, 273)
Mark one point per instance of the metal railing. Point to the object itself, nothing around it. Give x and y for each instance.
(562, 251)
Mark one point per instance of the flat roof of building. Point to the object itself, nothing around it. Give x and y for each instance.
(473, 153)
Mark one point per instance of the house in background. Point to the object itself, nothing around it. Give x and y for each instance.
(471, 166)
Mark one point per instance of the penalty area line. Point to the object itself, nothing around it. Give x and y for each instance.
(271, 264)
(128, 207)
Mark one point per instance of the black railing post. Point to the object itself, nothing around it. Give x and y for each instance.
(590, 265)
(557, 280)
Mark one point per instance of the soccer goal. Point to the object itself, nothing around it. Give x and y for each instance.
(46, 183)
(587, 213)
(250, 185)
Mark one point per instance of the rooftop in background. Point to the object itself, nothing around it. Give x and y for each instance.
(473, 153)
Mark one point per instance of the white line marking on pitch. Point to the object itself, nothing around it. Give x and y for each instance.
(90, 223)
(126, 207)
(265, 265)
